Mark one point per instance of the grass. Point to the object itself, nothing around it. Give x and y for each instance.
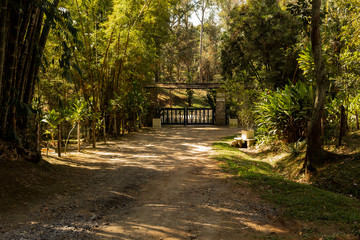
(296, 200)
(343, 177)
(178, 98)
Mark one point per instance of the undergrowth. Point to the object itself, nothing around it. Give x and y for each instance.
(297, 200)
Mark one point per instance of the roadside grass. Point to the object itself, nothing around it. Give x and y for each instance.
(343, 176)
(296, 200)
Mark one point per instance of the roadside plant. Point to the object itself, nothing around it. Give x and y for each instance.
(239, 97)
(76, 113)
(332, 116)
(53, 119)
(285, 113)
(354, 111)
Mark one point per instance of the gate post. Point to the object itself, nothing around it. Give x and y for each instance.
(220, 112)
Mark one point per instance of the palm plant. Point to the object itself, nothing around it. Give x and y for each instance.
(77, 112)
(53, 119)
(286, 113)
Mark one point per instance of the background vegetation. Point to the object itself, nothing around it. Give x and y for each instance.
(85, 64)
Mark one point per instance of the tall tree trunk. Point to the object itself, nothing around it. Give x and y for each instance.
(357, 120)
(68, 138)
(315, 154)
(122, 127)
(59, 140)
(343, 124)
(104, 128)
(203, 8)
(93, 132)
(3, 34)
(26, 58)
(10, 66)
(88, 126)
(115, 126)
(38, 133)
(78, 136)
(36, 61)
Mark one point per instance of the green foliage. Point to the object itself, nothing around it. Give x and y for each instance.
(332, 116)
(131, 104)
(301, 201)
(285, 113)
(78, 110)
(210, 98)
(260, 41)
(104, 52)
(302, 10)
(52, 118)
(354, 111)
(239, 97)
(306, 62)
(190, 96)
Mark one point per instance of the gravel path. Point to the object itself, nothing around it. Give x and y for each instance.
(159, 184)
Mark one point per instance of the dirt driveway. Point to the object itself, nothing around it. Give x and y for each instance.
(158, 184)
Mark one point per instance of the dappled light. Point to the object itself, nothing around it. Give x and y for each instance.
(197, 148)
(179, 119)
(159, 184)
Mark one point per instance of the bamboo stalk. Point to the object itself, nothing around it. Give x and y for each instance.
(3, 33)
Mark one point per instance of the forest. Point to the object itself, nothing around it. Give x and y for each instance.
(85, 65)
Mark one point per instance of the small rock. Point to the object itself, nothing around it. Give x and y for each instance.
(93, 217)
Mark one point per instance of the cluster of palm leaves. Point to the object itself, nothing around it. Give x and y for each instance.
(285, 113)
(74, 115)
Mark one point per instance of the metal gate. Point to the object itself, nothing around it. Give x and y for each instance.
(187, 116)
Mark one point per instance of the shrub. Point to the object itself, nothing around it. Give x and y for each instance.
(285, 113)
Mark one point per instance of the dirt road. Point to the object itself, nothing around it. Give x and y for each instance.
(160, 184)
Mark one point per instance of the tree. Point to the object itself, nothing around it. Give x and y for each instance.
(226, 7)
(77, 113)
(202, 6)
(178, 53)
(23, 36)
(54, 119)
(315, 154)
(260, 41)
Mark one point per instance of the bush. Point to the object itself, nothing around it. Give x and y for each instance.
(285, 113)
